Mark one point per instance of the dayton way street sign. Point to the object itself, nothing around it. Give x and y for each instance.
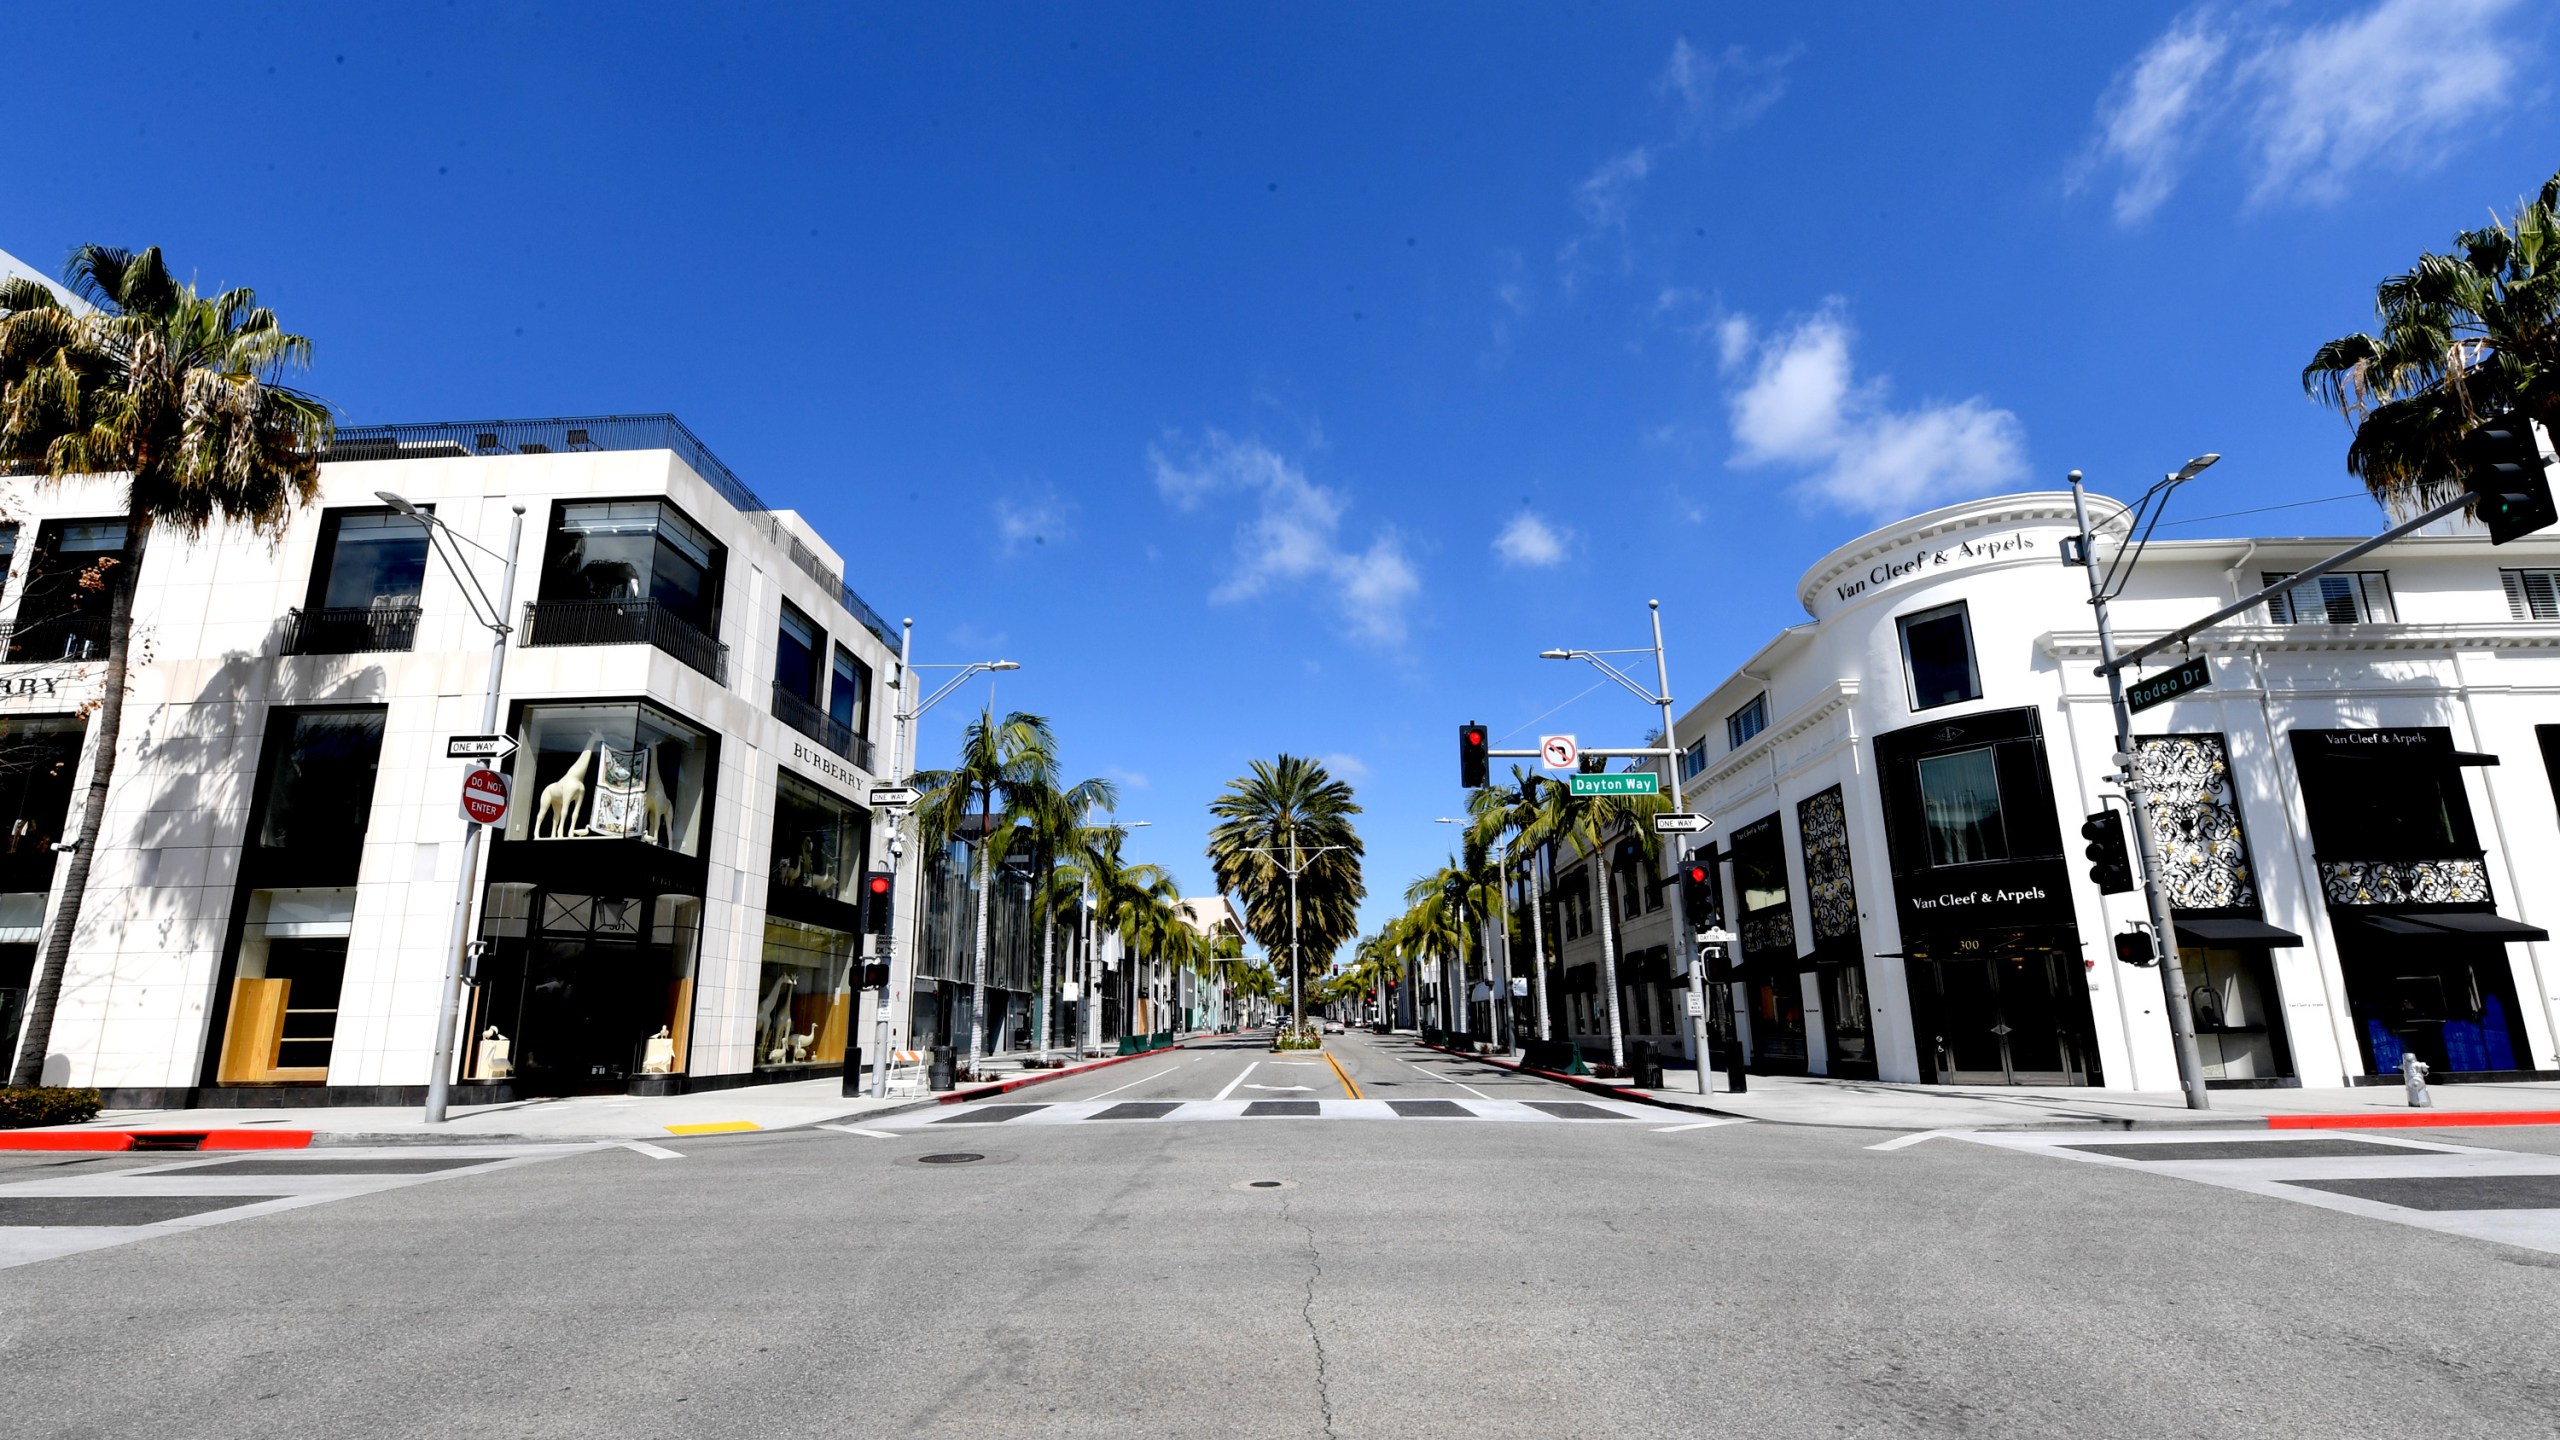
(479, 747)
(1558, 752)
(1633, 782)
(2193, 674)
(484, 796)
(1680, 822)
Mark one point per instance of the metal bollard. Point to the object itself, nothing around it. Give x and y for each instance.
(2413, 1074)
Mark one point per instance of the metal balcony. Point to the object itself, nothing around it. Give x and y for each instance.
(795, 711)
(625, 622)
(352, 630)
(61, 637)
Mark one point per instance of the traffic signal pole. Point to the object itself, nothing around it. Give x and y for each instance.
(2164, 930)
(889, 937)
(1682, 939)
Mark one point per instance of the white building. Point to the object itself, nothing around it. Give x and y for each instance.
(2359, 817)
(670, 904)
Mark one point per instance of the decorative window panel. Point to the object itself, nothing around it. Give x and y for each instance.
(2405, 882)
(2195, 823)
(1822, 825)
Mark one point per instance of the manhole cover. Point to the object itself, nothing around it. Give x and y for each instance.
(1264, 1185)
(961, 1157)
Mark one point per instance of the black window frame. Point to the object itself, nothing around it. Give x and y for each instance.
(324, 553)
(859, 721)
(1903, 626)
(813, 653)
(556, 541)
(1746, 721)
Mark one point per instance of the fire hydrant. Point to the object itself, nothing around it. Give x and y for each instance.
(2413, 1074)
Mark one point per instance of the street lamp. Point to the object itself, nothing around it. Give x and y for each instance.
(1297, 866)
(1088, 998)
(2164, 934)
(1659, 697)
(901, 763)
(492, 614)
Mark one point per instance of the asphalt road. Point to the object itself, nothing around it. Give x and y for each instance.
(1405, 1278)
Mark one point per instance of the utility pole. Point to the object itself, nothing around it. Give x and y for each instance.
(897, 856)
(1681, 937)
(449, 1011)
(2164, 932)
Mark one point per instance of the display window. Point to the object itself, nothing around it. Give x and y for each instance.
(804, 1004)
(820, 842)
(635, 550)
(281, 1025)
(583, 992)
(624, 771)
(319, 781)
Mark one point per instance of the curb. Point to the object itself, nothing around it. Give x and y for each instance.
(1007, 1087)
(2414, 1120)
(172, 1141)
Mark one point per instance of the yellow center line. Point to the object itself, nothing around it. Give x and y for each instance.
(1347, 1087)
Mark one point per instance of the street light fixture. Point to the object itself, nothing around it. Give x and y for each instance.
(901, 764)
(492, 614)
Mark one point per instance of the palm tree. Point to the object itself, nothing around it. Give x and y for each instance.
(181, 395)
(1285, 845)
(1599, 828)
(1004, 768)
(2465, 337)
(1058, 821)
(1530, 812)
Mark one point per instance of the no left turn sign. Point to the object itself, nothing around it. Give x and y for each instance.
(1558, 752)
(484, 796)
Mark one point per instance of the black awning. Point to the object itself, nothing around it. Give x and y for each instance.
(2235, 932)
(2477, 923)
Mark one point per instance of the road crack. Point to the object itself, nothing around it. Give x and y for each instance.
(1307, 1313)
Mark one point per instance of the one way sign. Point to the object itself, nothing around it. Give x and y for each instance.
(479, 747)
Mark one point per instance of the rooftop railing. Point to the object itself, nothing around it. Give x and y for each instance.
(444, 440)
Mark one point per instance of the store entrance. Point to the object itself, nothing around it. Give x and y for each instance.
(2014, 1019)
(597, 996)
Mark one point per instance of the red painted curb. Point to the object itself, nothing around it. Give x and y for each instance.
(2413, 1120)
(173, 1141)
(963, 1097)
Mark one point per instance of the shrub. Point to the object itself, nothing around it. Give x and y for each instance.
(22, 1106)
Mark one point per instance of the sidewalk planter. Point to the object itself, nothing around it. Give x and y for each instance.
(22, 1106)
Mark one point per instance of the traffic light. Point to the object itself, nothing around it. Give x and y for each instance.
(879, 890)
(2502, 467)
(875, 975)
(2133, 947)
(1475, 759)
(2108, 863)
(1695, 902)
(1594, 764)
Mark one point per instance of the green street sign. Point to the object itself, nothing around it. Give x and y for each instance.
(2168, 685)
(1634, 782)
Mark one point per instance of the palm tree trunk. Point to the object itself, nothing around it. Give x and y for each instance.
(1048, 949)
(1538, 952)
(93, 810)
(978, 977)
(1609, 960)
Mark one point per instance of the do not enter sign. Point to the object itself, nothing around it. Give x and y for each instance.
(484, 796)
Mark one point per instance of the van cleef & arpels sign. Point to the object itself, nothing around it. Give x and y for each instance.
(1925, 559)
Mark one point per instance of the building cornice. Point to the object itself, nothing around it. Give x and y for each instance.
(2241, 639)
(2040, 507)
(1838, 695)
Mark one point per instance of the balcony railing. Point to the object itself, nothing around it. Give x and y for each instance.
(818, 725)
(62, 637)
(351, 630)
(625, 622)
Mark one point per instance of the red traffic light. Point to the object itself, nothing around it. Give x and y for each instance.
(879, 884)
(1697, 873)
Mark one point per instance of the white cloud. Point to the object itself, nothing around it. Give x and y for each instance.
(2311, 106)
(1710, 92)
(1294, 534)
(1800, 404)
(1531, 542)
(1037, 520)
(1344, 767)
(1125, 779)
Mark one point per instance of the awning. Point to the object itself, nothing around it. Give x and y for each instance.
(2479, 923)
(2235, 932)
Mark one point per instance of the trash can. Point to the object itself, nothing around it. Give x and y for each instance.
(937, 1075)
(1645, 1071)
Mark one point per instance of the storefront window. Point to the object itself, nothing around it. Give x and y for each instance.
(795, 654)
(849, 699)
(319, 780)
(804, 1006)
(70, 588)
(820, 843)
(610, 772)
(635, 550)
(39, 764)
(369, 560)
(1960, 805)
(1760, 867)
(1937, 650)
(282, 1021)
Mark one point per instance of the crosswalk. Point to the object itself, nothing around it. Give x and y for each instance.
(2486, 1194)
(53, 1205)
(1107, 1112)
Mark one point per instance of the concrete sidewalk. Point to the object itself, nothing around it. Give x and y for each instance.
(585, 1117)
(1868, 1104)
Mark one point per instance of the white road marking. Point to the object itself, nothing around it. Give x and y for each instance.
(1445, 1080)
(1695, 1125)
(1232, 1084)
(858, 1130)
(1901, 1141)
(1143, 1079)
(654, 1152)
(1279, 1087)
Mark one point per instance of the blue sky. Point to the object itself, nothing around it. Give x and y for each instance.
(1285, 377)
